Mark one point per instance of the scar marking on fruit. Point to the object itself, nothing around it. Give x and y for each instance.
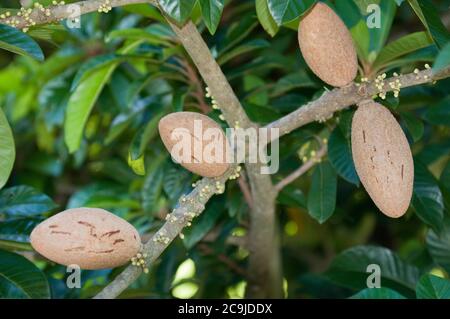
(101, 251)
(403, 168)
(80, 248)
(364, 136)
(91, 227)
(60, 232)
(118, 241)
(53, 226)
(110, 233)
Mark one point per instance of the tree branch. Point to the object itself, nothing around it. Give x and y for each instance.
(264, 271)
(55, 13)
(189, 207)
(264, 261)
(339, 99)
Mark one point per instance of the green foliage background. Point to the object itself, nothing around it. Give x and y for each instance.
(82, 105)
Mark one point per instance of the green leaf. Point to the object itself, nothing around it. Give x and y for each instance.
(361, 38)
(414, 125)
(137, 165)
(433, 287)
(153, 183)
(407, 44)
(349, 269)
(292, 197)
(17, 230)
(24, 201)
(378, 36)
(203, 224)
(284, 11)
(340, 156)
(438, 245)
(144, 136)
(148, 35)
(428, 14)
(7, 149)
(93, 64)
(427, 197)
(20, 278)
(18, 42)
(211, 12)
(377, 293)
(264, 17)
(442, 60)
(299, 79)
(81, 103)
(180, 10)
(439, 114)
(243, 48)
(322, 195)
(177, 181)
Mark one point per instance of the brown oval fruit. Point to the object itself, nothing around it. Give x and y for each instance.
(383, 158)
(91, 238)
(196, 142)
(327, 46)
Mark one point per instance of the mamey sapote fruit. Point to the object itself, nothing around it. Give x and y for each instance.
(196, 142)
(383, 158)
(91, 238)
(327, 46)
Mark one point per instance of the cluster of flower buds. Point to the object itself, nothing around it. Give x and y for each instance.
(139, 261)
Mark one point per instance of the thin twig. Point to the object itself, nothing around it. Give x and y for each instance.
(302, 169)
(242, 181)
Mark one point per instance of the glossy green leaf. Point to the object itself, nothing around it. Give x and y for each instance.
(148, 35)
(429, 16)
(438, 245)
(433, 287)
(144, 136)
(211, 12)
(81, 103)
(180, 10)
(18, 42)
(349, 269)
(284, 11)
(406, 44)
(153, 185)
(378, 36)
(377, 293)
(203, 224)
(17, 230)
(264, 17)
(177, 181)
(361, 38)
(24, 201)
(245, 47)
(427, 197)
(92, 65)
(20, 278)
(322, 194)
(137, 165)
(414, 125)
(443, 59)
(439, 114)
(7, 149)
(340, 156)
(292, 196)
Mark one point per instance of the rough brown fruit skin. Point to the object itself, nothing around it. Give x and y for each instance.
(327, 46)
(91, 238)
(186, 120)
(383, 158)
